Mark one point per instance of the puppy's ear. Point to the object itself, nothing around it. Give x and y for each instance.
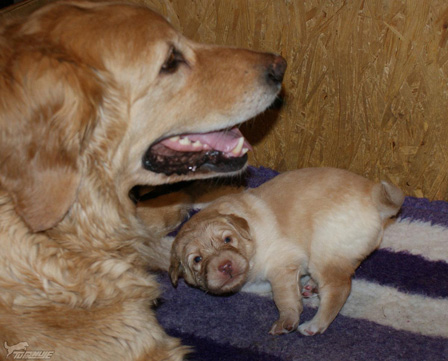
(240, 224)
(176, 269)
(48, 106)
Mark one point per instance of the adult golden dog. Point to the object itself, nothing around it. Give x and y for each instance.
(95, 99)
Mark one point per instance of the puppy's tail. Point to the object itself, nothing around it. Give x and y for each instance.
(387, 198)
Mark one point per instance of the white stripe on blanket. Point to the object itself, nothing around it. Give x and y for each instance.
(389, 307)
(417, 238)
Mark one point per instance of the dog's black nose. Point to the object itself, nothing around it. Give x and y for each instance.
(276, 70)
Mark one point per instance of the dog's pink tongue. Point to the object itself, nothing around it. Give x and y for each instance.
(230, 142)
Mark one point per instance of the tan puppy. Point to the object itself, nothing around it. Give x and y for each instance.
(320, 222)
(98, 99)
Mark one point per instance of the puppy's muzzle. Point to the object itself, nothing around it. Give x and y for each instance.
(226, 267)
(226, 272)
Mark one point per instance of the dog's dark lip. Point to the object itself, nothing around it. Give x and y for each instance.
(193, 162)
(160, 159)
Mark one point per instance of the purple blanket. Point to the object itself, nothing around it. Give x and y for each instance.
(398, 308)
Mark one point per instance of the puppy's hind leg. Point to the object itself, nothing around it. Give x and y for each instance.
(334, 289)
(309, 287)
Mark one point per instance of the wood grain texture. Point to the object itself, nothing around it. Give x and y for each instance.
(366, 87)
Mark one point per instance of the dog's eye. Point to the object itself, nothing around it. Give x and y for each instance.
(197, 259)
(171, 64)
(227, 239)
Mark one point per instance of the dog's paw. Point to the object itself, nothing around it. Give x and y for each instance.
(284, 325)
(165, 213)
(310, 289)
(310, 328)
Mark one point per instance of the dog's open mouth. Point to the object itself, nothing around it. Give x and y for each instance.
(219, 151)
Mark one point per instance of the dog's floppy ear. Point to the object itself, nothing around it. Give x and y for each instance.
(240, 224)
(47, 108)
(176, 269)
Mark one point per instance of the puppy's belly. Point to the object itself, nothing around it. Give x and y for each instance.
(259, 287)
(264, 287)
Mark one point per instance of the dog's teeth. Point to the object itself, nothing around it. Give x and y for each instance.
(197, 144)
(175, 138)
(238, 147)
(185, 141)
(244, 151)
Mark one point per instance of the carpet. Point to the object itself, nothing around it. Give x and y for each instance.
(397, 310)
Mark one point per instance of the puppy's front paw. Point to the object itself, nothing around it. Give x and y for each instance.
(310, 328)
(284, 325)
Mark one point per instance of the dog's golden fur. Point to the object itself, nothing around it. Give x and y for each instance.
(320, 222)
(85, 89)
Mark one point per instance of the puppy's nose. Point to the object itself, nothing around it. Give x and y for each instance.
(226, 267)
(276, 70)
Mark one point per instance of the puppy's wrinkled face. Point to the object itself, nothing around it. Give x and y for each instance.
(212, 252)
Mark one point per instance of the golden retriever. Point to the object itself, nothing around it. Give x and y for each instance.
(320, 222)
(97, 98)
